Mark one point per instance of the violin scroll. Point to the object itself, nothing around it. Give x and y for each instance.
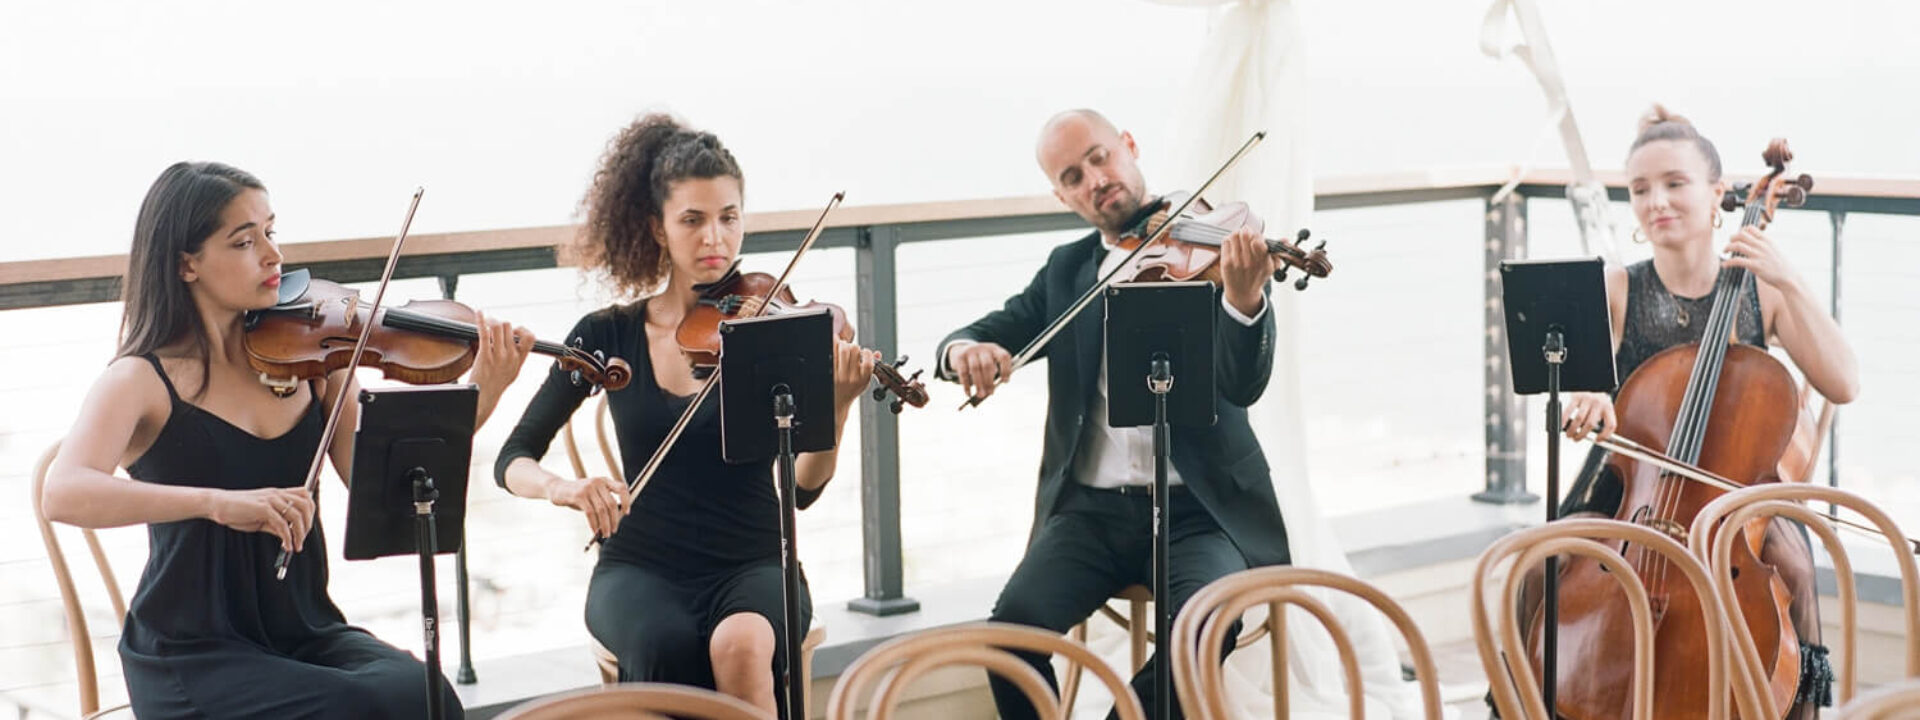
(1313, 263)
(905, 390)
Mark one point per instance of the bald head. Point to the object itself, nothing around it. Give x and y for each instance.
(1078, 119)
(1091, 166)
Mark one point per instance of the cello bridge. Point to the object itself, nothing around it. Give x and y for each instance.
(1670, 529)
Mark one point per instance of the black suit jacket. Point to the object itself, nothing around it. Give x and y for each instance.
(1222, 466)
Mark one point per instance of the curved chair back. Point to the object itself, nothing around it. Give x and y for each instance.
(637, 701)
(1138, 625)
(1516, 688)
(889, 668)
(601, 434)
(1200, 633)
(83, 660)
(1899, 701)
(1754, 506)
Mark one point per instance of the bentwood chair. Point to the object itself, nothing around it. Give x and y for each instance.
(1505, 655)
(1754, 508)
(76, 615)
(637, 701)
(1200, 632)
(887, 670)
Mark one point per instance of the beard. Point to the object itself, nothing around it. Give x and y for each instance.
(1118, 215)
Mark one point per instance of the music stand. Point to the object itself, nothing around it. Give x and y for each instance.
(776, 400)
(1154, 330)
(410, 452)
(1559, 337)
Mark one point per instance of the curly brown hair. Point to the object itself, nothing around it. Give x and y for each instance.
(1659, 123)
(618, 239)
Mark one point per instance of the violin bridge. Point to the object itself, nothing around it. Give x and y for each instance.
(280, 387)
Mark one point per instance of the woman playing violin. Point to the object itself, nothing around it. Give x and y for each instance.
(1675, 186)
(218, 466)
(689, 589)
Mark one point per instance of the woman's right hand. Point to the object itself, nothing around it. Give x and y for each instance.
(602, 499)
(285, 513)
(1588, 412)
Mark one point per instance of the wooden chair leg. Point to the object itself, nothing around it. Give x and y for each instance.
(1070, 682)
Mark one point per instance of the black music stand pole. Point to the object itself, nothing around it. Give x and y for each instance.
(784, 364)
(1152, 329)
(1552, 306)
(412, 451)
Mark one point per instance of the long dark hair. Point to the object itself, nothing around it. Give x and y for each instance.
(636, 174)
(181, 211)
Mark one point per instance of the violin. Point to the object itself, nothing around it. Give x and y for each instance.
(1190, 249)
(311, 332)
(738, 295)
(1671, 409)
(1184, 249)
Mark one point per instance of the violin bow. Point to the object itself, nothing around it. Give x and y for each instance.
(639, 481)
(1060, 323)
(353, 361)
(1642, 453)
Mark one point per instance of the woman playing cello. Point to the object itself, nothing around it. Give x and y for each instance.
(1675, 185)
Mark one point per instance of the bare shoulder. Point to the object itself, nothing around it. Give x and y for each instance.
(130, 383)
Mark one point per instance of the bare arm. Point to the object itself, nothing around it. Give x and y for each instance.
(120, 418)
(1795, 318)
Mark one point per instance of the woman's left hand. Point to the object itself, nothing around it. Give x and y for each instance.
(852, 371)
(1753, 250)
(498, 354)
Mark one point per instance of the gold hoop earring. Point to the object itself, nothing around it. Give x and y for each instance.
(1716, 220)
(1636, 236)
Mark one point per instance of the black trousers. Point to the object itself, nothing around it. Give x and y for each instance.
(1095, 544)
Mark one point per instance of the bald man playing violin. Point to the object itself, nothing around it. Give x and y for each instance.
(1093, 524)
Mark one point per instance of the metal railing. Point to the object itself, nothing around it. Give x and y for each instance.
(875, 234)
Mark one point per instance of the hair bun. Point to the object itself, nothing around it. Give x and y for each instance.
(1659, 114)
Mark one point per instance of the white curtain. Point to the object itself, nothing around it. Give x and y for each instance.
(1252, 76)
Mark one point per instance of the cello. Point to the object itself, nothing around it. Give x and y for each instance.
(1731, 410)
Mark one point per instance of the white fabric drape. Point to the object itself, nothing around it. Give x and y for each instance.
(1252, 76)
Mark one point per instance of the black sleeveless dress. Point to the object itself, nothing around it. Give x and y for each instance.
(212, 634)
(1656, 320)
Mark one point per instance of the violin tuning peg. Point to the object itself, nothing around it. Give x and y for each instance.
(900, 362)
(1805, 181)
(1321, 246)
(916, 375)
(577, 378)
(895, 406)
(879, 393)
(1280, 275)
(1303, 235)
(1301, 284)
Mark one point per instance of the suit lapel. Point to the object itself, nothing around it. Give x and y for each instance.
(1088, 327)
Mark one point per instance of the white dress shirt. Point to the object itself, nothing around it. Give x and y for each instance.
(1110, 457)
